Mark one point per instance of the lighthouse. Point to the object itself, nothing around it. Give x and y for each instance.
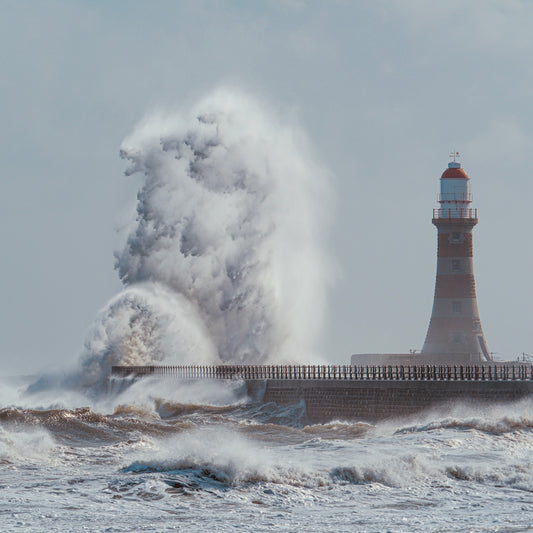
(454, 331)
(454, 334)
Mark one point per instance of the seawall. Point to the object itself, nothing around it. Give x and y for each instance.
(380, 400)
(368, 393)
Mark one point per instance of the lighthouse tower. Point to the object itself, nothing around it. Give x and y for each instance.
(454, 332)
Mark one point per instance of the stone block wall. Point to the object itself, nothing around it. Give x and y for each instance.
(378, 400)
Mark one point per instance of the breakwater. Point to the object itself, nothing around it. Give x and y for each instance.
(362, 392)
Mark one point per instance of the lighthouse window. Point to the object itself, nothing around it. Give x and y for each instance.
(456, 237)
(456, 307)
(456, 265)
(457, 337)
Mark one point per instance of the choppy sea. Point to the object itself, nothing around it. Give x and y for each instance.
(169, 456)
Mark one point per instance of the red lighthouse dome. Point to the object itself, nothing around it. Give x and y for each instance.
(454, 171)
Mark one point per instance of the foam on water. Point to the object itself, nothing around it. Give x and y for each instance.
(25, 444)
(222, 466)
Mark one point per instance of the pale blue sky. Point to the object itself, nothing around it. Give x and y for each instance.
(384, 89)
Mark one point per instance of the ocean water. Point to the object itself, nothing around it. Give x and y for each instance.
(173, 456)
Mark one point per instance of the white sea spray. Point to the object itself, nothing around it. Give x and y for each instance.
(225, 261)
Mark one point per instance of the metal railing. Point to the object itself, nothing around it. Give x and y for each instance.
(486, 372)
(455, 212)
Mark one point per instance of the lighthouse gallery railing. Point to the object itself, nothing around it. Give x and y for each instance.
(454, 213)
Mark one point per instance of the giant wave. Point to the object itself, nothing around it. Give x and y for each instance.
(225, 259)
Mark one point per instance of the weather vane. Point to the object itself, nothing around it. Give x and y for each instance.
(455, 156)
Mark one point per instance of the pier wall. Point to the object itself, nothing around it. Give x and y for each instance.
(366, 393)
(379, 400)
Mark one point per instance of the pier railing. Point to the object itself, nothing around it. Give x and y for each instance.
(485, 372)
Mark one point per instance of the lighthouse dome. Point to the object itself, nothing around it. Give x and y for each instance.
(454, 171)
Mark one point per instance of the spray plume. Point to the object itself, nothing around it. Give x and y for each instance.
(224, 262)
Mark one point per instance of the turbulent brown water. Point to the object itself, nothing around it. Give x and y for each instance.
(169, 456)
